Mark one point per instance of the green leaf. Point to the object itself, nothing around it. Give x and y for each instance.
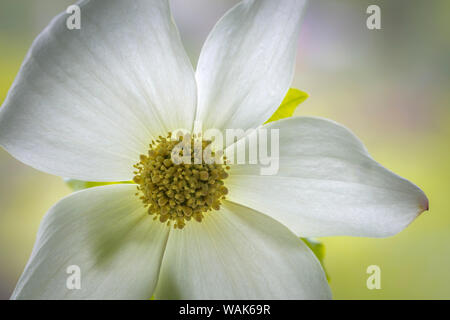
(78, 185)
(318, 249)
(290, 102)
(316, 246)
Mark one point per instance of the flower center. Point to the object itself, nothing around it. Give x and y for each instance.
(183, 191)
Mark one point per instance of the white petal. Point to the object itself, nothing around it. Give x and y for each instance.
(238, 253)
(106, 232)
(86, 103)
(327, 184)
(247, 63)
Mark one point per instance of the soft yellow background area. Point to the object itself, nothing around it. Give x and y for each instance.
(390, 86)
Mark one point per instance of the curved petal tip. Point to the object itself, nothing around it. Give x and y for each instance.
(424, 205)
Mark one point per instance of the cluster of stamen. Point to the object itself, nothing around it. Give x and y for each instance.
(184, 191)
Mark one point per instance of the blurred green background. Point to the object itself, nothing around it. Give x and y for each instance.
(390, 86)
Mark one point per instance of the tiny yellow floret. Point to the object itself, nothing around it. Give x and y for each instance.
(179, 192)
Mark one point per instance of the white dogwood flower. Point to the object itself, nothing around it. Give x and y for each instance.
(87, 103)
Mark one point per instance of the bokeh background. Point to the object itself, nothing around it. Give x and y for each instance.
(390, 86)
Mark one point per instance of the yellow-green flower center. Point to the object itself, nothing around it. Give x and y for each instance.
(183, 191)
